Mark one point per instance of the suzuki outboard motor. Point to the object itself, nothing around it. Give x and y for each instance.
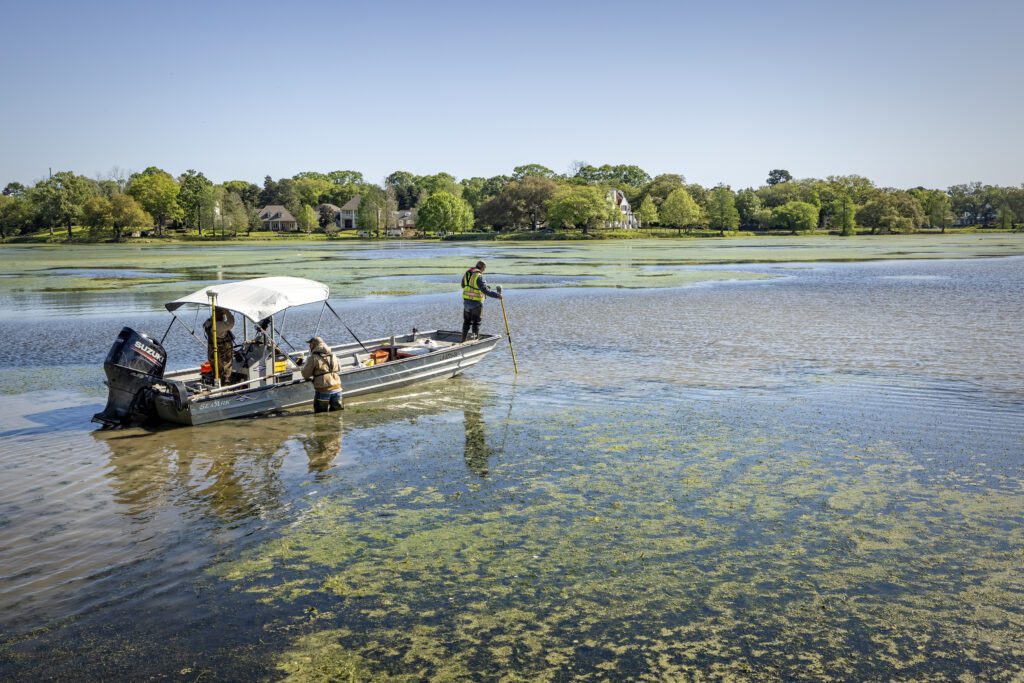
(136, 361)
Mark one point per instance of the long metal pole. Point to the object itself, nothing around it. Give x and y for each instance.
(213, 326)
(508, 334)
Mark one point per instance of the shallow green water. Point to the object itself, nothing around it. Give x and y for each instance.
(812, 475)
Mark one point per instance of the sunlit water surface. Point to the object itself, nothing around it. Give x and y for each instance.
(812, 476)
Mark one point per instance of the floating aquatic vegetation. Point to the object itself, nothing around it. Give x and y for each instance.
(652, 547)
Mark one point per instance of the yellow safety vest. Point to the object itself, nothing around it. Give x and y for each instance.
(470, 290)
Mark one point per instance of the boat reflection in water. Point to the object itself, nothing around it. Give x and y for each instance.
(239, 469)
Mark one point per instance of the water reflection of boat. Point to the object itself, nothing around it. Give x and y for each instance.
(233, 468)
(264, 378)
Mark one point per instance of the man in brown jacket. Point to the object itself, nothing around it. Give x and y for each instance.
(323, 367)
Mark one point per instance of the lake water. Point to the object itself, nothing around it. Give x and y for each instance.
(797, 471)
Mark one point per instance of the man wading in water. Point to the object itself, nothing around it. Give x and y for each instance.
(323, 367)
(474, 288)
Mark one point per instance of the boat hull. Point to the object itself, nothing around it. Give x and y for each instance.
(444, 363)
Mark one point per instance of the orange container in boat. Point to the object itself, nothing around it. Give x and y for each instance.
(205, 367)
(380, 356)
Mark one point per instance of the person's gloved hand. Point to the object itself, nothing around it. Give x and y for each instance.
(300, 360)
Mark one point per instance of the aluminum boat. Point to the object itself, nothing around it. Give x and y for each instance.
(264, 377)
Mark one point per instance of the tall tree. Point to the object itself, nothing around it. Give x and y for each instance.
(248, 192)
(662, 186)
(647, 214)
(406, 191)
(59, 198)
(1006, 220)
(533, 171)
(680, 211)
(234, 215)
(127, 213)
(377, 209)
(157, 192)
(526, 200)
(439, 182)
(444, 211)
(579, 206)
(748, 204)
(779, 175)
(796, 217)
(97, 214)
(721, 210)
(191, 187)
(843, 212)
(307, 218)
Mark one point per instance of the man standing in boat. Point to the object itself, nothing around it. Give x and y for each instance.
(323, 367)
(474, 289)
(225, 343)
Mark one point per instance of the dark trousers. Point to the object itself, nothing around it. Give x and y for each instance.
(471, 316)
(323, 403)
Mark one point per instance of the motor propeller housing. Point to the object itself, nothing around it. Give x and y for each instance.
(135, 362)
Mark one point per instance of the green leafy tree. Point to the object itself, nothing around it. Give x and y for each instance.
(406, 190)
(721, 210)
(16, 214)
(795, 216)
(443, 211)
(97, 214)
(647, 214)
(779, 175)
(346, 177)
(313, 188)
(891, 211)
(248, 192)
(623, 177)
(474, 191)
(579, 206)
(1005, 220)
(192, 186)
(521, 203)
(127, 213)
(662, 186)
(210, 201)
(157, 192)
(748, 204)
(377, 209)
(439, 182)
(843, 215)
(60, 198)
(937, 208)
(533, 171)
(680, 211)
(307, 218)
(6, 208)
(234, 215)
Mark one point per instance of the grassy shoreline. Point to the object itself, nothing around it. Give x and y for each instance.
(82, 236)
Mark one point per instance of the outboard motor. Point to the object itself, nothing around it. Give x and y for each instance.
(136, 361)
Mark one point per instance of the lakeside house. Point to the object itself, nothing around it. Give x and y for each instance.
(625, 217)
(277, 218)
(347, 214)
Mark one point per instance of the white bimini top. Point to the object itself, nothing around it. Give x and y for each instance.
(258, 298)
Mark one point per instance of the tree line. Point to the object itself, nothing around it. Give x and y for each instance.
(532, 197)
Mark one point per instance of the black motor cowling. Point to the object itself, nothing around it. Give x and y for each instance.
(135, 362)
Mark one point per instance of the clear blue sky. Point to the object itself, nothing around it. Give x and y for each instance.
(906, 93)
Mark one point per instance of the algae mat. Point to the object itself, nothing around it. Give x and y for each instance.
(376, 269)
(675, 542)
